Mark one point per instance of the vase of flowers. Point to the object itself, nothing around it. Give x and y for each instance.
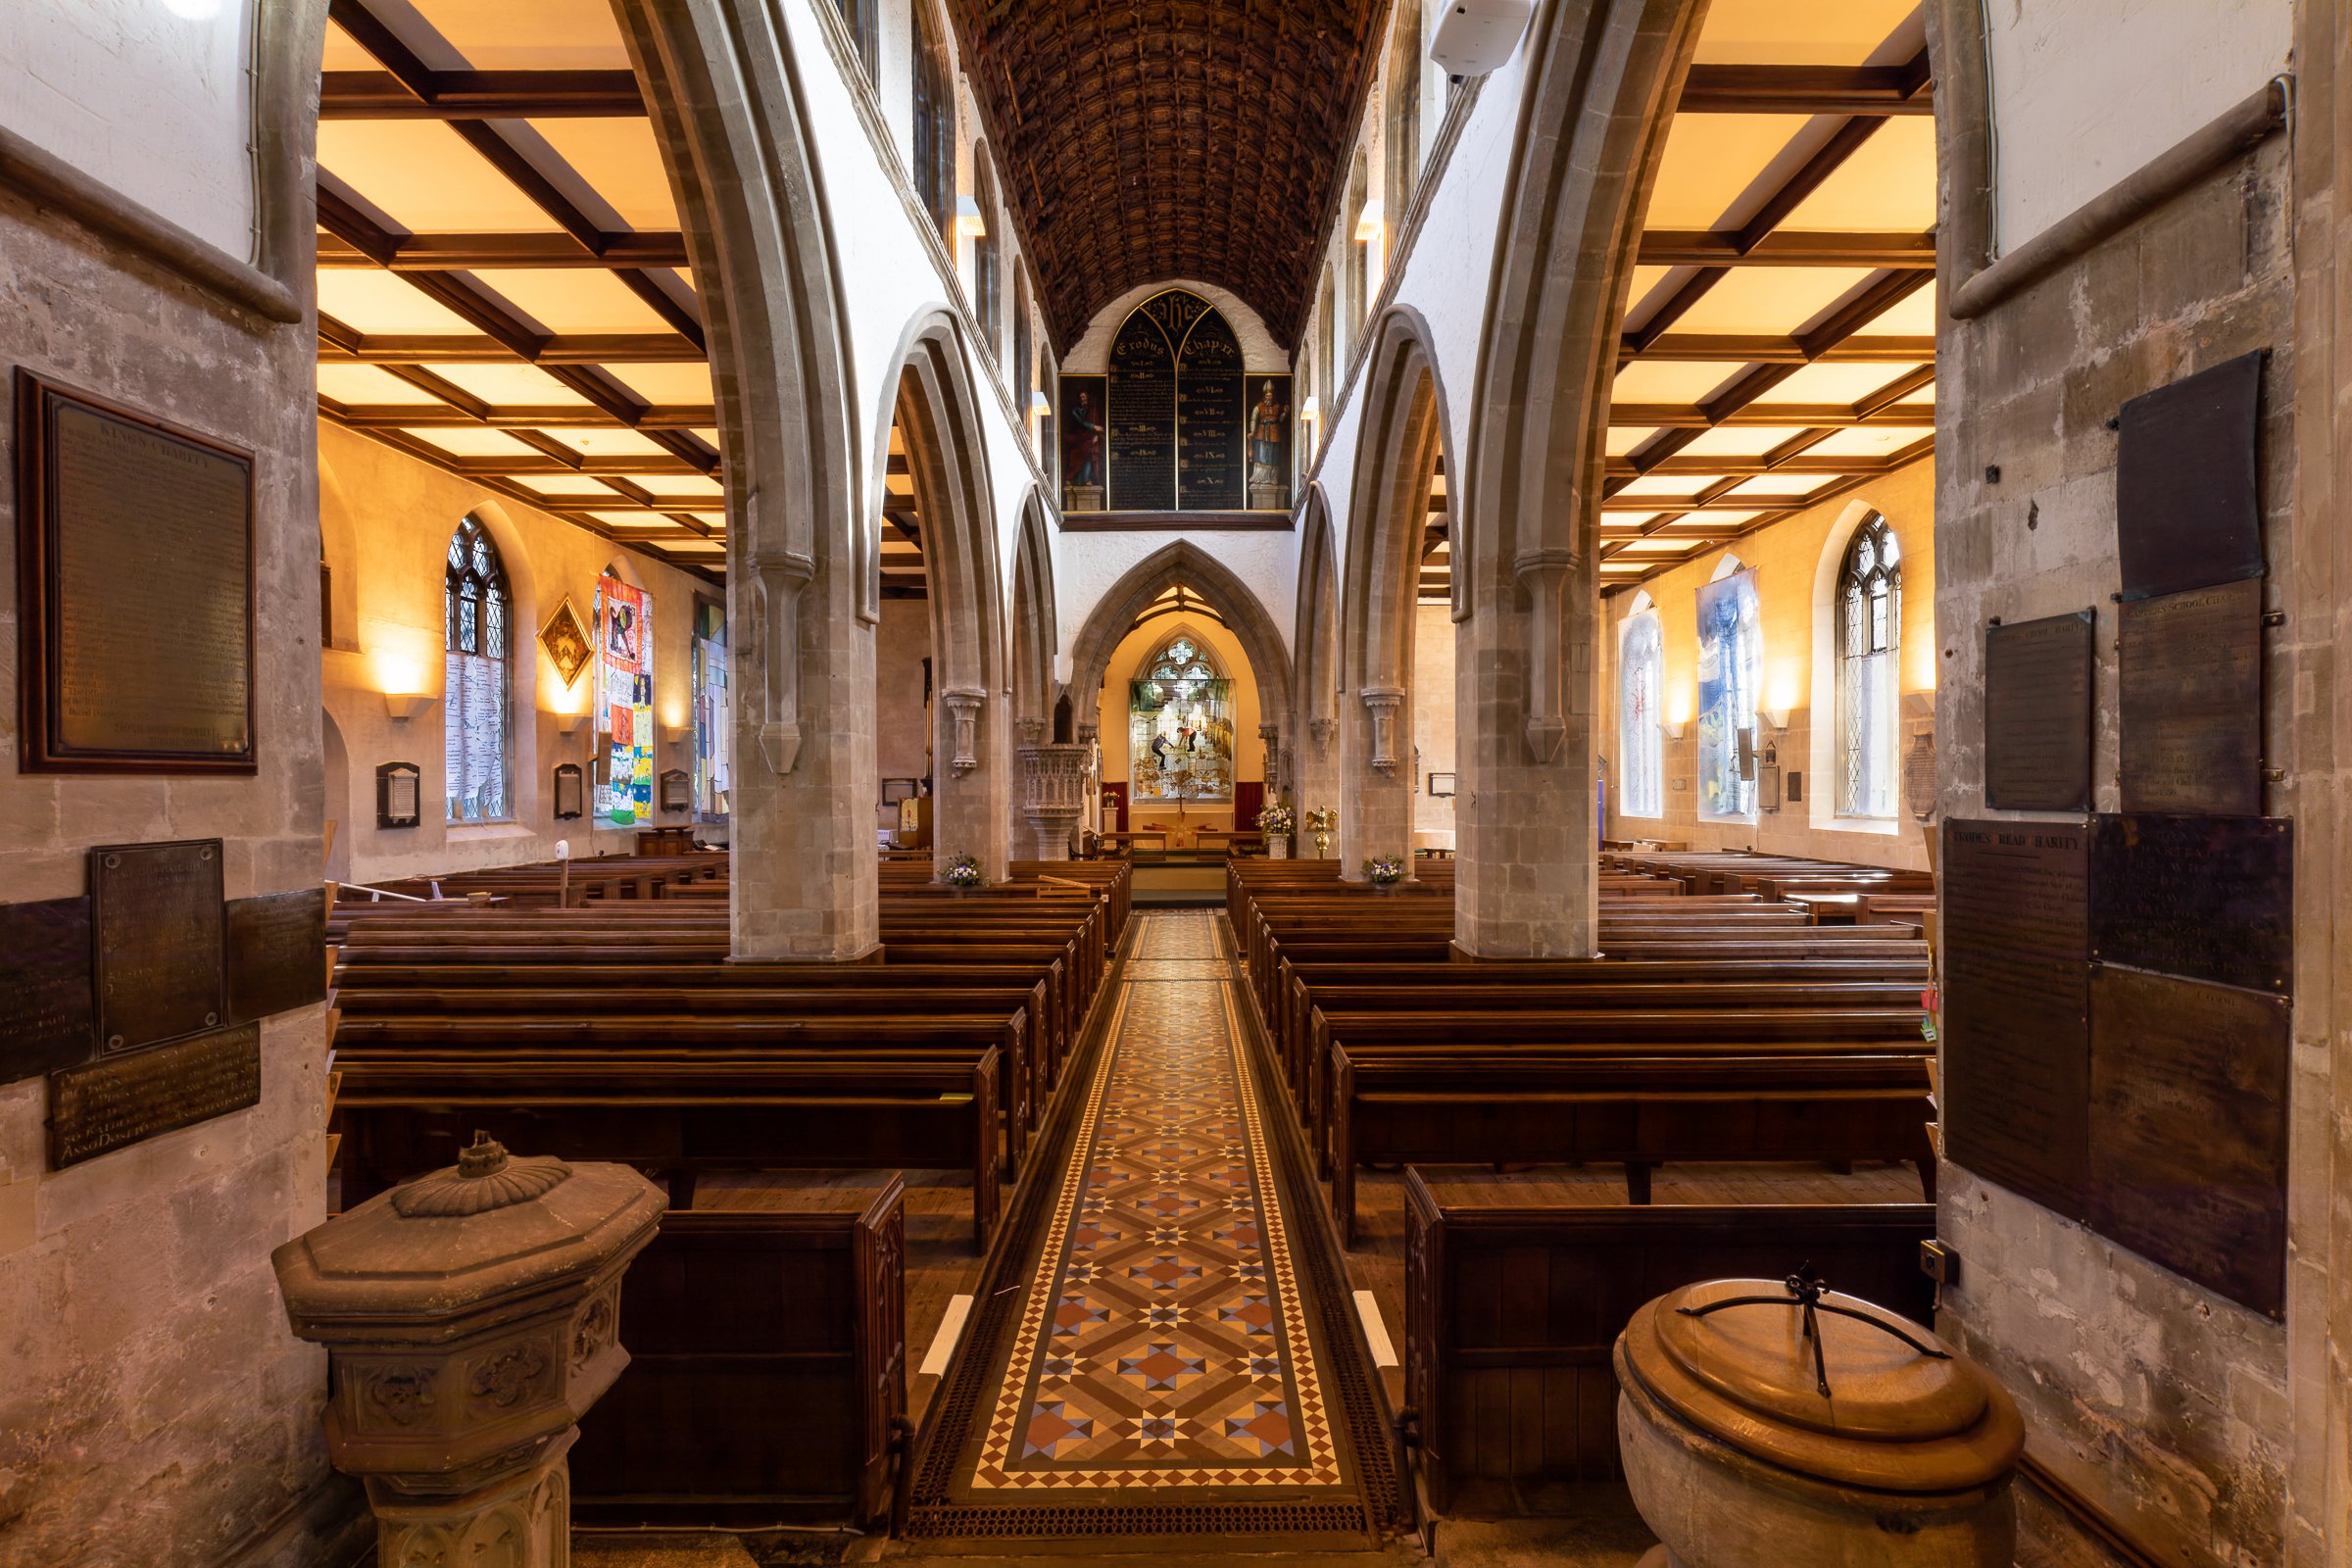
(962, 874)
(1275, 823)
(1385, 872)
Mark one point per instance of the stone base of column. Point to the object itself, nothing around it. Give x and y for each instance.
(521, 1520)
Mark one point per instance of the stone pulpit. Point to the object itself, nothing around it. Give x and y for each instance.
(471, 1317)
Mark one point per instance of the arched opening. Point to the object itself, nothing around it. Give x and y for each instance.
(1396, 638)
(988, 265)
(1050, 796)
(932, 157)
(1314, 780)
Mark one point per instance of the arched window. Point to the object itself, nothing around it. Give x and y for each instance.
(1731, 663)
(1870, 627)
(1404, 110)
(1024, 343)
(1359, 252)
(475, 623)
(1180, 725)
(988, 286)
(1326, 314)
(1641, 745)
(934, 122)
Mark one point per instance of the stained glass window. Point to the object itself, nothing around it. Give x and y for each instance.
(1180, 726)
(1731, 662)
(475, 739)
(1870, 629)
(1641, 746)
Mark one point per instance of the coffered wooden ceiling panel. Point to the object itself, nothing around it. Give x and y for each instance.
(1780, 347)
(1140, 140)
(502, 284)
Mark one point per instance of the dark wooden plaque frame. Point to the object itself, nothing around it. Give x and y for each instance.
(276, 952)
(385, 774)
(39, 594)
(2017, 701)
(571, 792)
(129, 934)
(50, 1018)
(2188, 481)
(2189, 684)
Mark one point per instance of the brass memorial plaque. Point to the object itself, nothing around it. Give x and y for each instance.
(2210, 897)
(2187, 482)
(155, 909)
(2016, 1004)
(46, 1017)
(2188, 1130)
(2191, 679)
(135, 589)
(276, 952)
(126, 1099)
(2037, 687)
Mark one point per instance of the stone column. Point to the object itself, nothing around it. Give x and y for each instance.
(471, 1318)
(1052, 797)
(973, 774)
(1376, 778)
(1525, 873)
(807, 779)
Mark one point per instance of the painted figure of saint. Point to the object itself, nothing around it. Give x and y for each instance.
(1266, 436)
(1082, 444)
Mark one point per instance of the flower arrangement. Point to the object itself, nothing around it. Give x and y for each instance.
(962, 873)
(1275, 821)
(1383, 870)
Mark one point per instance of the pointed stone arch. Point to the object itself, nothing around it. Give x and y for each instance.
(1405, 433)
(1185, 562)
(934, 404)
(1315, 695)
(724, 88)
(1601, 83)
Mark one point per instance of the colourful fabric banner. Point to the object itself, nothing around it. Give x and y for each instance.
(624, 662)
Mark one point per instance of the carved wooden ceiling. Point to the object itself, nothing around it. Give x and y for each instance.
(1142, 140)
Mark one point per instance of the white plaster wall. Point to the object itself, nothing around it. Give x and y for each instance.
(386, 518)
(891, 280)
(1091, 565)
(104, 84)
(2086, 91)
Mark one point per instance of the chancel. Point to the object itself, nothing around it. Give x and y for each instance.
(1456, 782)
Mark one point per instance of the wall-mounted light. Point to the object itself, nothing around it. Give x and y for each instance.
(405, 706)
(1039, 407)
(969, 224)
(1774, 718)
(676, 734)
(1369, 221)
(569, 723)
(1311, 413)
(1671, 728)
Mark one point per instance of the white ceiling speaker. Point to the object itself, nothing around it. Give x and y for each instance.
(1476, 36)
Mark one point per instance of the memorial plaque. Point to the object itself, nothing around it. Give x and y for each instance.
(126, 1099)
(1143, 416)
(155, 913)
(136, 590)
(2211, 898)
(2016, 1004)
(2192, 680)
(276, 952)
(2188, 1130)
(2038, 677)
(47, 1018)
(2188, 501)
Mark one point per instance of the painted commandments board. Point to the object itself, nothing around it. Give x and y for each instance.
(2016, 1004)
(2038, 698)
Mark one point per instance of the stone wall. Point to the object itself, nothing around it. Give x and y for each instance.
(2164, 1405)
(154, 1410)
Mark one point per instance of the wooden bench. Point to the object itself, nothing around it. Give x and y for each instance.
(1512, 1306)
(767, 1372)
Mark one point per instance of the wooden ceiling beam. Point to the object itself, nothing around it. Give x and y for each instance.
(1700, 247)
(1836, 416)
(648, 417)
(1745, 468)
(582, 348)
(1726, 89)
(455, 253)
(479, 94)
(1765, 348)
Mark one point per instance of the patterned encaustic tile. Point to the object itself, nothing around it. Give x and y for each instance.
(1163, 1341)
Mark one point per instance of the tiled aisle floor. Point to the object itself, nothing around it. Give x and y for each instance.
(1171, 1359)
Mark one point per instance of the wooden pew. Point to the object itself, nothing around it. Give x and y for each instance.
(1511, 1308)
(767, 1372)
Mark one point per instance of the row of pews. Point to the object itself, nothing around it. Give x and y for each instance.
(591, 1011)
(1527, 1151)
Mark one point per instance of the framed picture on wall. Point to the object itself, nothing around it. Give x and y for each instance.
(567, 642)
(571, 794)
(397, 794)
